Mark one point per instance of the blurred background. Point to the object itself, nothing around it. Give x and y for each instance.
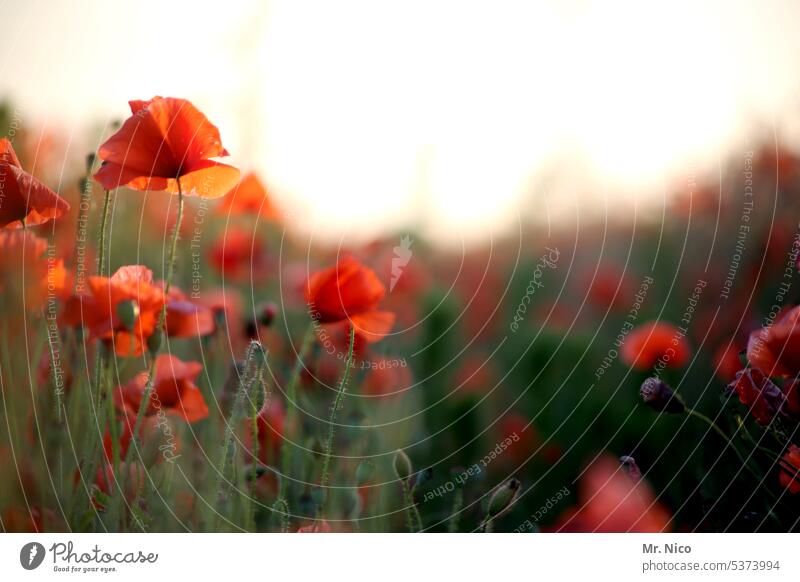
(450, 119)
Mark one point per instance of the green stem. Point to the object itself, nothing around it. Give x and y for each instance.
(287, 455)
(458, 501)
(337, 403)
(160, 328)
(408, 499)
(235, 417)
(720, 432)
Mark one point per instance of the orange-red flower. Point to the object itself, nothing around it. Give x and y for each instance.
(123, 308)
(163, 141)
(349, 291)
(321, 526)
(238, 256)
(23, 198)
(790, 470)
(614, 502)
(655, 343)
(174, 390)
(756, 391)
(23, 253)
(386, 377)
(250, 196)
(187, 319)
(775, 350)
(726, 362)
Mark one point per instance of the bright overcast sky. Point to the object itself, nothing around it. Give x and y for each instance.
(418, 113)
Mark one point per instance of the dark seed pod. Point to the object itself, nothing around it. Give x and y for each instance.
(659, 396)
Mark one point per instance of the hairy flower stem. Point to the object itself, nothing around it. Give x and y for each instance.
(455, 512)
(160, 329)
(337, 403)
(282, 511)
(104, 411)
(408, 499)
(250, 375)
(287, 453)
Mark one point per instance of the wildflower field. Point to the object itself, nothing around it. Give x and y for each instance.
(175, 357)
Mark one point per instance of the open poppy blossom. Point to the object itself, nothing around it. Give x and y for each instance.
(776, 349)
(239, 256)
(612, 501)
(174, 390)
(349, 291)
(185, 318)
(250, 196)
(123, 308)
(756, 391)
(790, 470)
(23, 253)
(23, 198)
(655, 342)
(163, 141)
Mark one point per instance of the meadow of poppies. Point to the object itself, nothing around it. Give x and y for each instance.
(176, 357)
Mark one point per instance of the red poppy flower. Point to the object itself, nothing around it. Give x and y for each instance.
(250, 196)
(610, 287)
(790, 470)
(316, 527)
(614, 502)
(756, 391)
(655, 342)
(23, 198)
(32, 520)
(349, 291)
(238, 256)
(124, 308)
(166, 139)
(386, 377)
(727, 362)
(185, 318)
(21, 252)
(174, 390)
(776, 349)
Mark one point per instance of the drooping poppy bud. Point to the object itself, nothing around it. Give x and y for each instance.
(503, 498)
(659, 396)
(402, 465)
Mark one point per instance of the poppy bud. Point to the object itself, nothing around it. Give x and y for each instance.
(503, 497)
(364, 473)
(659, 396)
(402, 465)
(90, 159)
(128, 311)
(154, 341)
(267, 314)
(629, 464)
